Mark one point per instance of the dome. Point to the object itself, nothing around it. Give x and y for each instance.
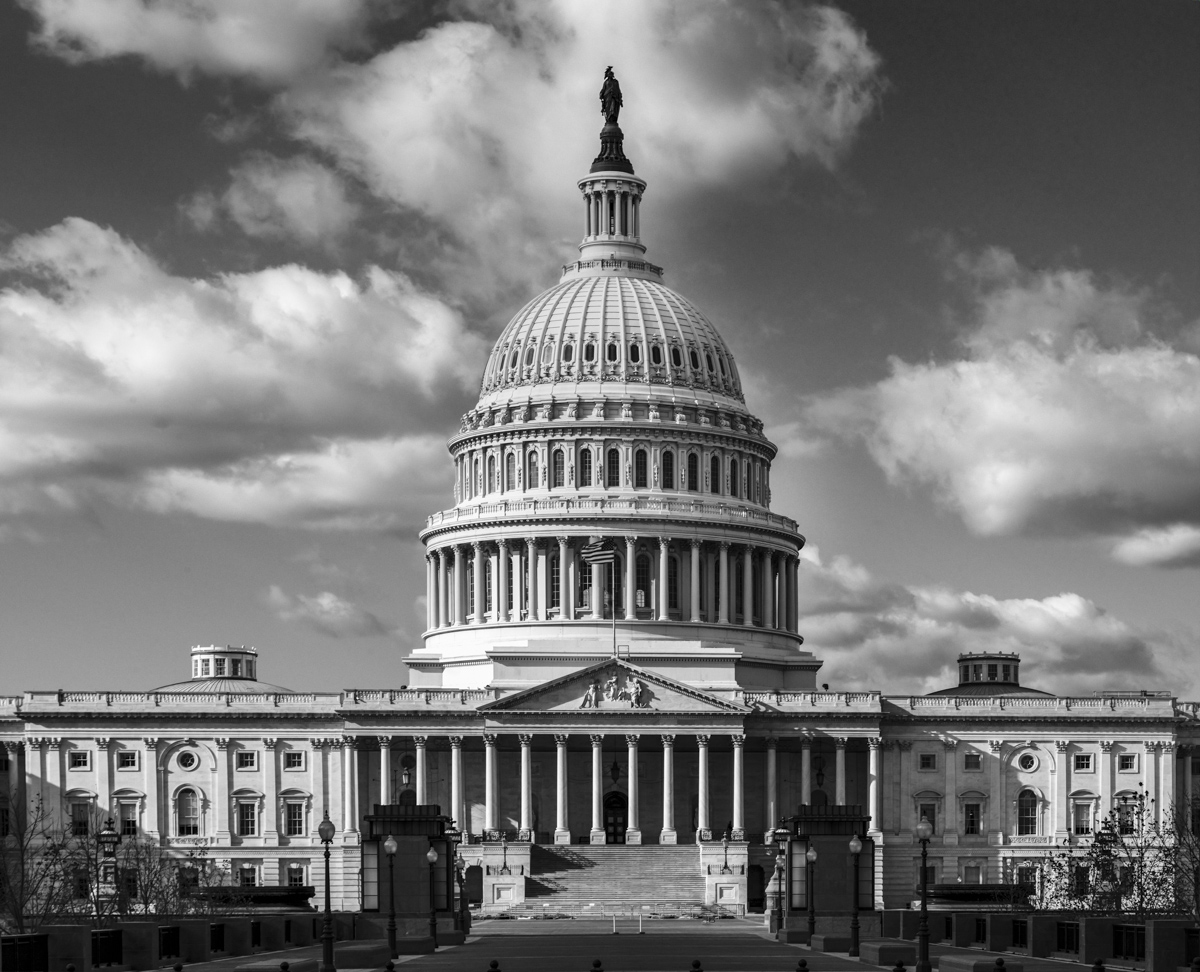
(227, 686)
(610, 328)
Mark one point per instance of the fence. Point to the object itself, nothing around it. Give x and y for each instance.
(24, 953)
(168, 941)
(1129, 942)
(1067, 937)
(216, 937)
(107, 947)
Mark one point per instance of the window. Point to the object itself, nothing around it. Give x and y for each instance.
(639, 469)
(927, 761)
(635, 353)
(714, 471)
(127, 759)
(532, 480)
(547, 353)
(1127, 762)
(643, 581)
(235, 668)
(656, 357)
(929, 812)
(188, 760)
(1007, 673)
(568, 352)
(247, 876)
(491, 474)
(693, 472)
(973, 761)
(972, 819)
(972, 874)
(993, 673)
(733, 477)
(589, 352)
(610, 353)
(188, 806)
(528, 356)
(1082, 885)
(585, 467)
(204, 667)
(721, 363)
(1027, 761)
(976, 673)
(293, 760)
(673, 583)
(247, 760)
(247, 819)
(555, 582)
(613, 477)
(294, 819)
(295, 875)
(1027, 813)
(512, 361)
(668, 470)
(220, 667)
(510, 471)
(80, 816)
(1082, 818)
(1027, 876)
(79, 759)
(1083, 762)
(560, 468)
(129, 821)
(5, 819)
(1125, 818)
(708, 360)
(677, 357)
(694, 358)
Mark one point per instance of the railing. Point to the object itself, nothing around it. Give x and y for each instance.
(562, 506)
(106, 947)
(428, 696)
(1129, 943)
(24, 953)
(206, 699)
(621, 910)
(1067, 937)
(168, 941)
(840, 699)
(216, 937)
(1084, 705)
(614, 264)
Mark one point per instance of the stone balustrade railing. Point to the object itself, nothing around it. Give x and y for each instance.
(406, 698)
(1082, 705)
(201, 700)
(828, 700)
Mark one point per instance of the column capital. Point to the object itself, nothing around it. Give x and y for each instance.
(668, 739)
(563, 541)
(630, 539)
(772, 742)
(904, 745)
(664, 542)
(1060, 745)
(597, 740)
(702, 740)
(419, 741)
(531, 542)
(1150, 746)
(385, 742)
(560, 738)
(840, 742)
(526, 738)
(631, 740)
(350, 742)
(269, 742)
(1106, 745)
(456, 742)
(55, 743)
(489, 739)
(873, 742)
(738, 740)
(502, 543)
(222, 743)
(1167, 747)
(997, 746)
(317, 743)
(724, 545)
(150, 742)
(477, 545)
(102, 742)
(696, 543)
(950, 744)
(806, 742)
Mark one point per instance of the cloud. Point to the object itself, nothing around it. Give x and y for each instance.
(285, 396)
(270, 41)
(298, 199)
(326, 613)
(1069, 411)
(905, 639)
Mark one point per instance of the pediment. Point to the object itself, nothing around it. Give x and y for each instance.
(615, 686)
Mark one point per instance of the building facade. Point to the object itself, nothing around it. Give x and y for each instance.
(613, 652)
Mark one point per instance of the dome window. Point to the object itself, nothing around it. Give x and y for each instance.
(516, 356)
(721, 362)
(533, 471)
(635, 353)
(548, 354)
(639, 469)
(560, 468)
(695, 359)
(589, 352)
(510, 471)
(613, 470)
(677, 357)
(656, 357)
(668, 470)
(491, 474)
(568, 352)
(610, 353)
(709, 361)
(585, 466)
(714, 471)
(693, 472)
(733, 477)
(528, 357)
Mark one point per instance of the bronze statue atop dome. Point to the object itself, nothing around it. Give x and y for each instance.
(610, 97)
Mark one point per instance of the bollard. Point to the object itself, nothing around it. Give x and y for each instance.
(696, 966)
(899, 967)
(1098, 965)
(177, 967)
(493, 966)
(596, 966)
(391, 966)
(999, 965)
(283, 967)
(802, 965)
(1196, 964)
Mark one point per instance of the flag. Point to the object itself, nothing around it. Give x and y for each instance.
(599, 551)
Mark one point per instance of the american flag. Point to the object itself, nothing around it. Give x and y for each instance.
(599, 551)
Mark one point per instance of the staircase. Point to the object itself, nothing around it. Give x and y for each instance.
(572, 877)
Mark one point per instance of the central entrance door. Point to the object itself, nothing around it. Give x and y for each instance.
(616, 812)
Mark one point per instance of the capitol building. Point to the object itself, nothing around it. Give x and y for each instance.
(613, 655)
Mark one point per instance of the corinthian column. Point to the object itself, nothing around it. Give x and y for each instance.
(664, 587)
(633, 830)
(630, 580)
(500, 594)
(562, 832)
(723, 597)
(694, 564)
(597, 835)
(668, 835)
(739, 800)
(703, 832)
(748, 586)
(480, 599)
(526, 833)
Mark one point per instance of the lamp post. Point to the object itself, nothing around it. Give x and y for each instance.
(504, 849)
(781, 837)
(855, 849)
(725, 867)
(453, 859)
(810, 873)
(432, 857)
(108, 839)
(924, 832)
(325, 830)
(460, 872)
(389, 848)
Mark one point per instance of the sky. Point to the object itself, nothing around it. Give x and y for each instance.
(253, 257)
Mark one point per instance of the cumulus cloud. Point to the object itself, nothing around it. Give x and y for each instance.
(298, 199)
(271, 41)
(326, 613)
(283, 396)
(1069, 411)
(900, 638)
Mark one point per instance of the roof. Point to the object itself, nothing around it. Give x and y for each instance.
(234, 686)
(1009, 689)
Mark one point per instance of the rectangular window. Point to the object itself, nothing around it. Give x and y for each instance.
(79, 759)
(927, 761)
(1082, 882)
(555, 583)
(1027, 814)
(293, 760)
(973, 761)
(80, 816)
(673, 584)
(931, 875)
(993, 672)
(642, 578)
(204, 667)
(295, 820)
(235, 668)
(972, 874)
(247, 877)
(977, 673)
(971, 818)
(1027, 876)
(247, 760)
(1083, 762)
(220, 666)
(249, 669)
(929, 812)
(127, 759)
(129, 820)
(1127, 762)
(5, 820)
(247, 819)
(1007, 673)
(295, 875)
(1083, 818)
(1125, 819)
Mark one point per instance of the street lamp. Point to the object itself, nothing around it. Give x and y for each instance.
(504, 849)
(389, 848)
(432, 857)
(325, 830)
(856, 847)
(725, 867)
(460, 872)
(781, 837)
(924, 832)
(811, 856)
(453, 838)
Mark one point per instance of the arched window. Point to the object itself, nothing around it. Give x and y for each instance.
(585, 466)
(532, 481)
(695, 359)
(589, 352)
(642, 574)
(610, 352)
(656, 357)
(476, 483)
(677, 357)
(528, 356)
(714, 473)
(1027, 813)
(510, 471)
(721, 362)
(560, 468)
(668, 470)
(693, 472)
(491, 480)
(613, 470)
(516, 356)
(635, 353)
(568, 352)
(547, 353)
(639, 469)
(188, 807)
(739, 599)
(733, 477)
(708, 360)
(488, 586)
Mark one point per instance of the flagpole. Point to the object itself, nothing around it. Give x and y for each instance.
(612, 586)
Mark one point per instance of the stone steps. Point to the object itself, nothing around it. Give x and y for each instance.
(578, 875)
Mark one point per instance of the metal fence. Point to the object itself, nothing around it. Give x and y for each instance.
(107, 947)
(24, 953)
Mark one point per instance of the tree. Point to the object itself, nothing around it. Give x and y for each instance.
(31, 867)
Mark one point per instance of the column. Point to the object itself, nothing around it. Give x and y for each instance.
(1185, 808)
(479, 601)
(839, 786)
(703, 831)
(767, 571)
(792, 578)
(1105, 771)
(500, 594)
(385, 770)
(951, 813)
(668, 835)
(783, 612)
(723, 612)
(460, 590)
(873, 784)
(221, 791)
(456, 781)
(562, 825)
(518, 558)
(103, 777)
(54, 787)
(430, 593)
(1062, 813)
(710, 586)
(489, 785)
(630, 580)
(154, 821)
(1167, 802)
(597, 835)
(805, 771)
(270, 822)
(316, 776)
(352, 763)
(633, 828)
(903, 747)
(542, 572)
(748, 586)
(1150, 775)
(445, 606)
(770, 804)
(600, 574)
(526, 829)
(739, 798)
(564, 582)
(664, 572)
(421, 775)
(531, 577)
(694, 564)
(997, 799)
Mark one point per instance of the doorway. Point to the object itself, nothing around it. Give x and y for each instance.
(616, 815)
